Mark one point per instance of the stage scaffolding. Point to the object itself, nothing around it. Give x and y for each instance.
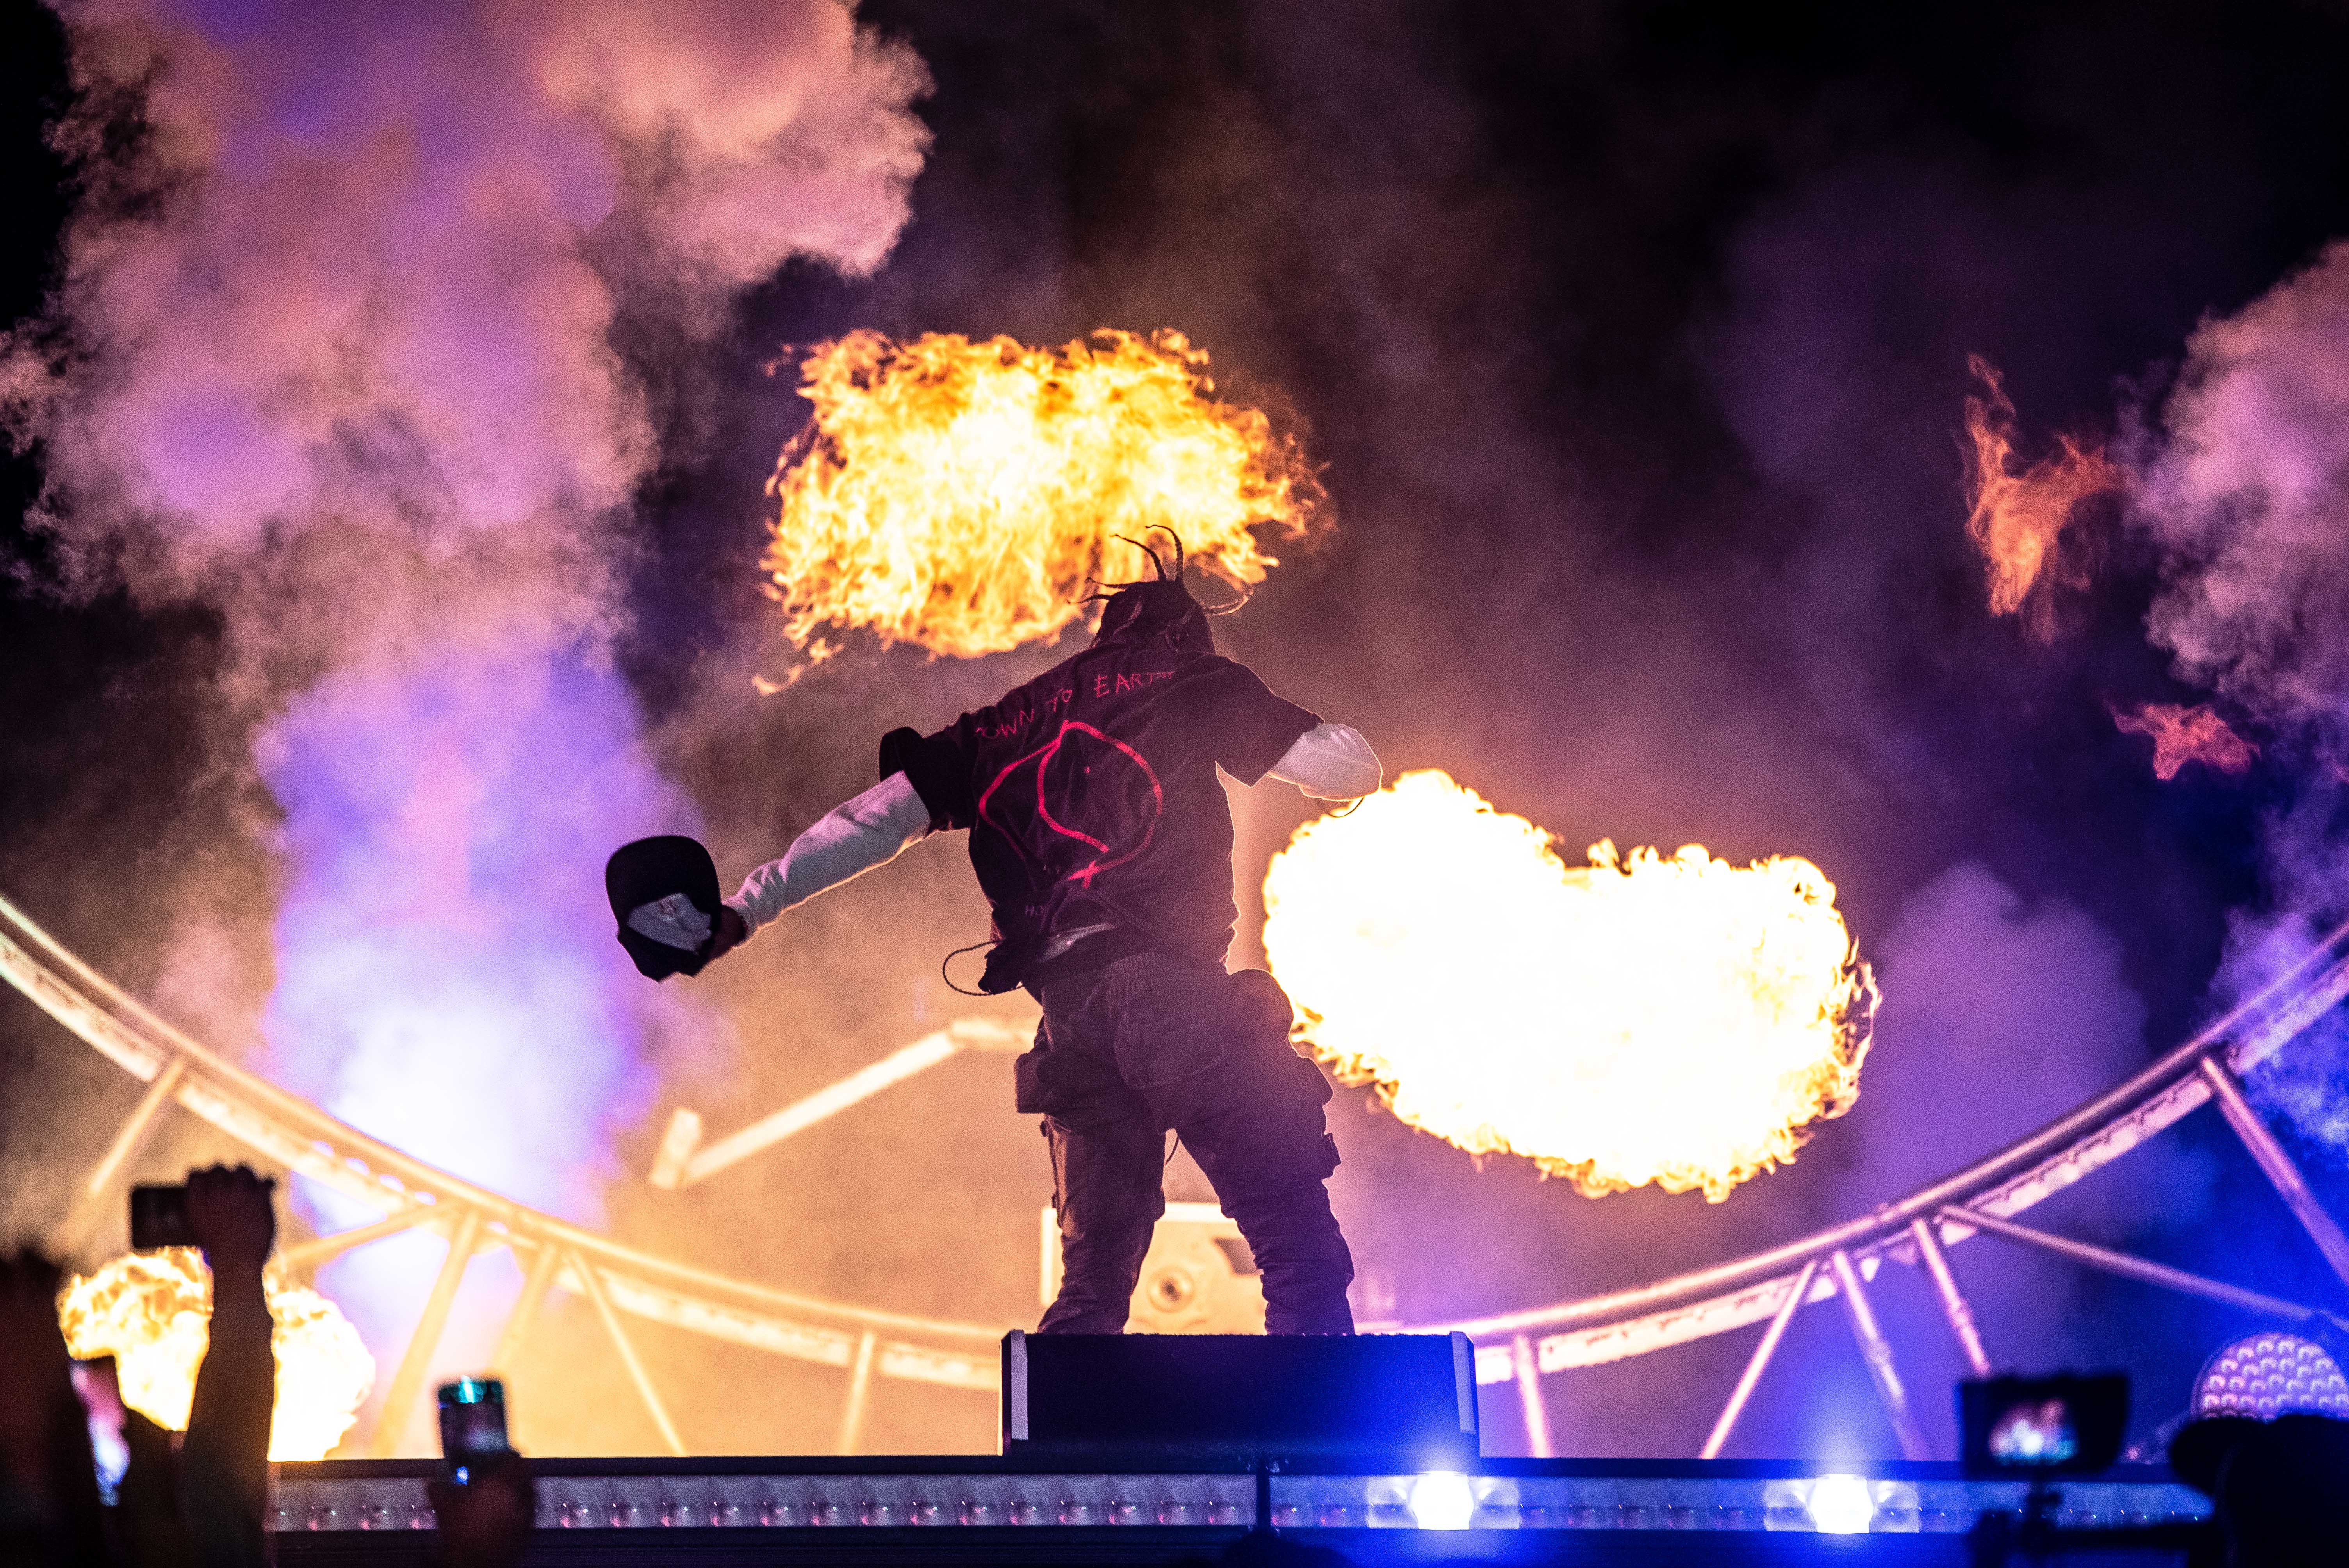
(873, 1348)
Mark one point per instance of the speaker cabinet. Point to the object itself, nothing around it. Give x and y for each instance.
(1408, 1400)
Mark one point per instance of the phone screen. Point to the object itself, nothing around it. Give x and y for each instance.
(472, 1424)
(159, 1218)
(2034, 1433)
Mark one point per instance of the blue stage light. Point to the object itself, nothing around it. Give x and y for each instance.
(1442, 1499)
(2268, 1374)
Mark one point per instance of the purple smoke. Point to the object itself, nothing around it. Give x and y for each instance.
(2246, 497)
(375, 255)
(2245, 491)
(448, 981)
(336, 350)
(1996, 1018)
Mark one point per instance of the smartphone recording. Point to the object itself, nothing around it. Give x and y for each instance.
(473, 1425)
(2068, 1424)
(159, 1218)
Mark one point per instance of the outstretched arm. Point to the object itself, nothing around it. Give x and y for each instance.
(224, 1460)
(1330, 762)
(870, 830)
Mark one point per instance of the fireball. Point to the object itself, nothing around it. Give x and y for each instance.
(1644, 1017)
(152, 1313)
(958, 495)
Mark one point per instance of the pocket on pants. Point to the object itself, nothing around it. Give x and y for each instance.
(1258, 1004)
(1312, 1085)
(1079, 1089)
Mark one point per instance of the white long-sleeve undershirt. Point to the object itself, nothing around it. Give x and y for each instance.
(1329, 761)
(870, 830)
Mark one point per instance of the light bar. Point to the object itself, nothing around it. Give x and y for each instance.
(796, 1502)
(1432, 1499)
(1711, 1502)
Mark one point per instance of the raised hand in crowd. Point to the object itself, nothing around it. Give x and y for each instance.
(224, 1480)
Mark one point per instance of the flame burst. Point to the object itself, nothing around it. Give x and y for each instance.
(2018, 519)
(2183, 734)
(1643, 1018)
(152, 1313)
(959, 494)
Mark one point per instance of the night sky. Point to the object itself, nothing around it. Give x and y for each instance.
(1633, 342)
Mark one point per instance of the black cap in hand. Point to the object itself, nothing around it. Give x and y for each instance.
(638, 877)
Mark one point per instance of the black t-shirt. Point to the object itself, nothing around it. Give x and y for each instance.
(1091, 792)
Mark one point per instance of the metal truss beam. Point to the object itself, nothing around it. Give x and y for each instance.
(416, 1364)
(682, 1161)
(525, 1316)
(320, 1250)
(2134, 1268)
(1877, 1352)
(132, 1136)
(1954, 1305)
(859, 1388)
(602, 1300)
(2278, 1166)
(1524, 1362)
(1748, 1381)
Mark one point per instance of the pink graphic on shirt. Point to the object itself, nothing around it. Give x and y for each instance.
(1122, 810)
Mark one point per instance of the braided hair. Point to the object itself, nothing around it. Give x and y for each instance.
(1161, 611)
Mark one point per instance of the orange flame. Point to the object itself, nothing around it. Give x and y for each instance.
(2018, 518)
(959, 494)
(152, 1313)
(1642, 1019)
(2183, 734)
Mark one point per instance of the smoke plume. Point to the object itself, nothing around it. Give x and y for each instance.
(338, 348)
(2246, 499)
(362, 276)
(1997, 1018)
(2246, 477)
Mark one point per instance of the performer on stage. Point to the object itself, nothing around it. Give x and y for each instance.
(1102, 838)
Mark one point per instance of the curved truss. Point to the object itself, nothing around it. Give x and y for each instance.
(290, 1132)
(1770, 1286)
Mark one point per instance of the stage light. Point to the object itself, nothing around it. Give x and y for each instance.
(1841, 1505)
(2267, 1374)
(1442, 1499)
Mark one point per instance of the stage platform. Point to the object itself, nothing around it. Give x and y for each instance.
(959, 1510)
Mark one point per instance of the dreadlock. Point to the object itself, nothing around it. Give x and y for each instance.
(1159, 610)
(1154, 611)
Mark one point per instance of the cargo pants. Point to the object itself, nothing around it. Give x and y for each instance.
(1151, 1042)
